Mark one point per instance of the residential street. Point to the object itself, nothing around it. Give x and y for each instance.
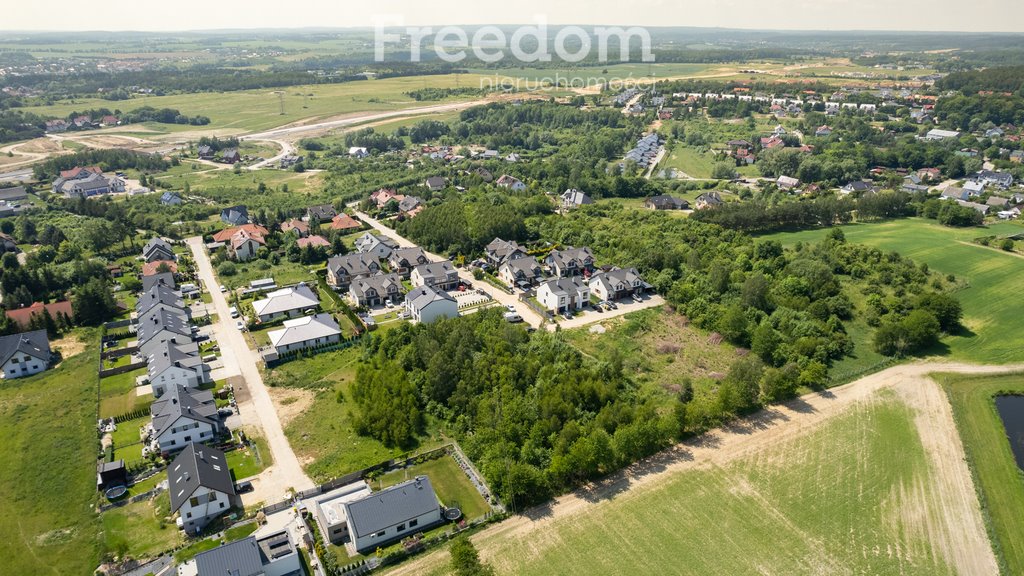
(255, 407)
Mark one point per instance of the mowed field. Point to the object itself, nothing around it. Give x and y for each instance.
(253, 110)
(862, 484)
(995, 334)
(47, 471)
(1000, 482)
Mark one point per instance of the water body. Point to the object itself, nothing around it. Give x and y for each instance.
(1011, 411)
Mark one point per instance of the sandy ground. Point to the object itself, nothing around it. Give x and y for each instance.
(946, 509)
(69, 346)
(290, 402)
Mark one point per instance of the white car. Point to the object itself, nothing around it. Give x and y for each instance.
(223, 289)
(510, 308)
(240, 325)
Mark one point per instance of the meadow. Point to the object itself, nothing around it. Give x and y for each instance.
(993, 334)
(999, 481)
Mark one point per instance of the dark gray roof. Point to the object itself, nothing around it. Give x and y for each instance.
(160, 319)
(352, 264)
(391, 506)
(158, 244)
(239, 558)
(236, 215)
(165, 278)
(158, 294)
(437, 270)
(32, 343)
(15, 193)
(500, 250)
(168, 354)
(568, 256)
(380, 283)
(196, 466)
(321, 212)
(525, 264)
(177, 402)
(407, 257)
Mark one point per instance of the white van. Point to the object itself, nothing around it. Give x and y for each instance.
(233, 311)
(513, 317)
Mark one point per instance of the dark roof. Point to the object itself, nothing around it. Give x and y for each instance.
(164, 278)
(177, 402)
(391, 506)
(156, 295)
(664, 200)
(32, 343)
(161, 319)
(408, 256)
(245, 557)
(15, 193)
(321, 212)
(196, 466)
(236, 215)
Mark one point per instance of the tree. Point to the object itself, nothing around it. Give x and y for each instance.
(946, 309)
(723, 171)
(93, 303)
(466, 560)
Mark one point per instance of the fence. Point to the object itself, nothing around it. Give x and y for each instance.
(117, 324)
(120, 369)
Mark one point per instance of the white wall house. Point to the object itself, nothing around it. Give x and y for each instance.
(286, 302)
(392, 514)
(182, 417)
(563, 294)
(200, 487)
(24, 354)
(305, 332)
(617, 283)
(424, 304)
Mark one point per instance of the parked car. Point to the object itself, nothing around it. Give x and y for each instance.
(510, 307)
(233, 311)
(567, 315)
(243, 487)
(636, 298)
(223, 288)
(612, 305)
(240, 325)
(513, 317)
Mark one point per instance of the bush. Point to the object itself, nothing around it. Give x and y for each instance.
(227, 269)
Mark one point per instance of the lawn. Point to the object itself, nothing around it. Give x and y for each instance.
(999, 481)
(230, 535)
(322, 435)
(243, 462)
(118, 394)
(449, 481)
(48, 470)
(141, 530)
(993, 335)
(284, 273)
(689, 160)
(832, 501)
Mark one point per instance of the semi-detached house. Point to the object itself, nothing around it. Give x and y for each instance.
(200, 487)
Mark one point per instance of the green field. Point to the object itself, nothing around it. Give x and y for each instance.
(449, 481)
(999, 481)
(252, 110)
(142, 529)
(829, 502)
(47, 470)
(993, 334)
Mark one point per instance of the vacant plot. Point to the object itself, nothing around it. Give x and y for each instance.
(1000, 483)
(993, 334)
(452, 485)
(118, 394)
(141, 530)
(47, 471)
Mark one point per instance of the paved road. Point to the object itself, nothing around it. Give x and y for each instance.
(501, 296)
(258, 410)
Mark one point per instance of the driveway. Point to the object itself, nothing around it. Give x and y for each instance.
(624, 307)
(497, 294)
(255, 406)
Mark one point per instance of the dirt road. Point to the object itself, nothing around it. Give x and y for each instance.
(256, 407)
(955, 529)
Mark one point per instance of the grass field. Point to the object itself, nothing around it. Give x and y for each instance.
(118, 394)
(993, 335)
(142, 529)
(47, 470)
(999, 482)
(833, 501)
(449, 481)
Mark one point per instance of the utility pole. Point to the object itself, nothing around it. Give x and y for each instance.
(280, 100)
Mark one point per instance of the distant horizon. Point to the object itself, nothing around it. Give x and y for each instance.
(938, 16)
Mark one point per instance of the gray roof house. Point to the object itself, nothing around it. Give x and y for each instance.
(235, 215)
(156, 295)
(955, 193)
(665, 202)
(425, 304)
(305, 332)
(24, 354)
(409, 203)
(321, 213)
(160, 278)
(157, 249)
(341, 270)
(182, 417)
(376, 245)
(572, 198)
(169, 365)
(617, 283)
(570, 261)
(200, 486)
(14, 194)
(522, 272)
(170, 199)
(290, 302)
(162, 320)
(441, 275)
(403, 260)
(392, 513)
(271, 555)
(435, 183)
(500, 250)
(375, 290)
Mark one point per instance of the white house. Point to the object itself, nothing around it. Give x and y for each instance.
(520, 272)
(563, 294)
(200, 486)
(157, 249)
(183, 417)
(286, 302)
(617, 283)
(24, 354)
(170, 365)
(244, 245)
(392, 514)
(375, 290)
(425, 304)
(329, 510)
(441, 275)
(342, 270)
(270, 555)
(375, 245)
(510, 182)
(305, 332)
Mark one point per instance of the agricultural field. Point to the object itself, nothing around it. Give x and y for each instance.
(991, 276)
(46, 419)
(999, 481)
(852, 494)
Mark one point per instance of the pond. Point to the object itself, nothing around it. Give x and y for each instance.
(1011, 411)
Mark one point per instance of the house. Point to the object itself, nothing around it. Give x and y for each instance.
(770, 142)
(158, 266)
(391, 514)
(997, 202)
(403, 260)
(7, 243)
(345, 222)
(110, 474)
(510, 182)
(157, 249)
(617, 283)
(954, 193)
(1017, 156)
(358, 152)
(929, 174)
(498, 251)
(1002, 179)
(170, 199)
(384, 195)
(341, 270)
(982, 208)
(235, 215)
(734, 144)
(163, 323)
(205, 152)
(787, 182)
(974, 187)
(995, 132)
(88, 184)
(440, 275)
(1010, 213)
(708, 200)
(376, 290)
(244, 245)
(286, 303)
(314, 241)
(270, 555)
(200, 487)
(24, 354)
(321, 213)
(512, 158)
(856, 187)
(182, 417)
(665, 202)
(522, 272)
(572, 198)
(13, 194)
(23, 316)
(305, 332)
(230, 156)
(160, 278)
(375, 245)
(435, 183)
(937, 134)
(170, 365)
(570, 261)
(563, 294)
(156, 296)
(410, 205)
(484, 174)
(425, 304)
(226, 234)
(823, 131)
